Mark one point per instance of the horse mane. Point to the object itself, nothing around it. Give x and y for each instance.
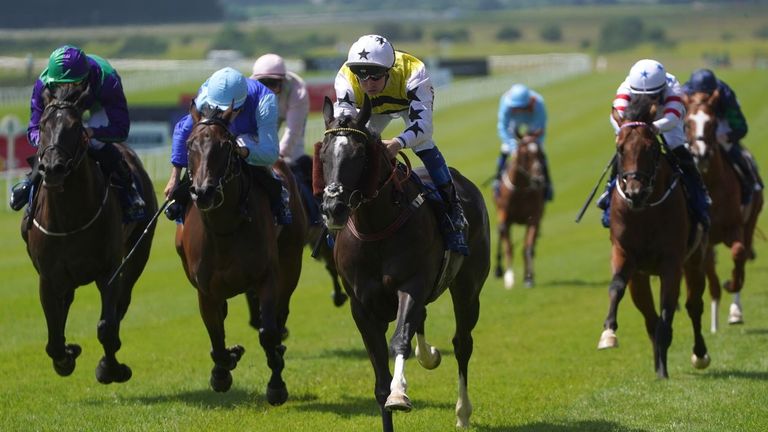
(642, 108)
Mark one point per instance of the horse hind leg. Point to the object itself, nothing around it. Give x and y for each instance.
(505, 244)
(528, 253)
(56, 309)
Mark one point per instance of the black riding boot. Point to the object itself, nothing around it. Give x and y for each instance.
(549, 194)
(743, 173)
(698, 197)
(112, 162)
(455, 218)
(21, 192)
(279, 198)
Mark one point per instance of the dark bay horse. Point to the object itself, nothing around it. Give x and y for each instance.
(75, 234)
(392, 259)
(732, 225)
(229, 245)
(650, 236)
(520, 201)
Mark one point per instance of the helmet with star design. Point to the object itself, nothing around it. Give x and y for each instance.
(371, 55)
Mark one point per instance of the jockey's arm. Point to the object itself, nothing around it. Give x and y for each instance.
(36, 113)
(112, 100)
(295, 121)
(418, 119)
(504, 124)
(263, 152)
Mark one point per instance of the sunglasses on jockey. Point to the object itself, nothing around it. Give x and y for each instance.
(272, 83)
(369, 73)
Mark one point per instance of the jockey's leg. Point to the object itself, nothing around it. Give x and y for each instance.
(604, 201)
(743, 172)
(550, 191)
(277, 193)
(501, 164)
(112, 162)
(438, 170)
(697, 193)
(21, 192)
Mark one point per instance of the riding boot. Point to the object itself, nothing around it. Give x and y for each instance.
(698, 197)
(549, 193)
(180, 196)
(134, 207)
(21, 193)
(455, 218)
(501, 164)
(279, 198)
(743, 172)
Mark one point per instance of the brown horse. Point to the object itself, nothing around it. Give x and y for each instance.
(649, 235)
(732, 225)
(229, 245)
(391, 256)
(520, 201)
(75, 235)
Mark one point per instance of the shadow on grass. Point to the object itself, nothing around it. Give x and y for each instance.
(361, 354)
(203, 398)
(359, 406)
(577, 426)
(574, 283)
(756, 331)
(729, 374)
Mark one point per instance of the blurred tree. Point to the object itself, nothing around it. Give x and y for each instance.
(509, 33)
(551, 33)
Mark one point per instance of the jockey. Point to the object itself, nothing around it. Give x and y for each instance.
(731, 126)
(254, 125)
(399, 86)
(521, 106)
(649, 77)
(108, 123)
(292, 111)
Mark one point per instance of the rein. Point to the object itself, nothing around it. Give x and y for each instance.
(229, 172)
(73, 160)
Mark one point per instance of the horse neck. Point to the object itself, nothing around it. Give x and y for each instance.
(228, 216)
(379, 212)
(82, 194)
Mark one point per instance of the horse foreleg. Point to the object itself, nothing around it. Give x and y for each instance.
(529, 251)
(670, 294)
(410, 316)
(642, 297)
(505, 244)
(270, 338)
(694, 304)
(56, 308)
(213, 311)
(466, 309)
(616, 291)
(338, 295)
(428, 356)
(109, 370)
(373, 333)
(713, 282)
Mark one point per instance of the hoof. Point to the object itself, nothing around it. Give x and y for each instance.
(339, 298)
(108, 372)
(277, 395)
(728, 286)
(700, 362)
(284, 334)
(398, 402)
(608, 339)
(528, 283)
(65, 366)
(509, 279)
(735, 315)
(221, 379)
(499, 272)
(431, 360)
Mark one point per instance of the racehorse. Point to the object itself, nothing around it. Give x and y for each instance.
(649, 226)
(520, 201)
(75, 235)
(732, 225)
(391, 256)
(229, 245)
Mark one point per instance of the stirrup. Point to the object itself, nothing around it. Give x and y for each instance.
(20, 195)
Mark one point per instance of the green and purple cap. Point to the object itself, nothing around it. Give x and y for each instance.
(65, 65)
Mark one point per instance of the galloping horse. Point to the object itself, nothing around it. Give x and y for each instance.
(75, 235)
(520, 201)
(731, 225)
(230, 245)
(391, 256)
(649, 235)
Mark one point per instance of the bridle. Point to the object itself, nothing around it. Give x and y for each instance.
(357, 197)
(231, 171)
(73, 160)
(645, 178)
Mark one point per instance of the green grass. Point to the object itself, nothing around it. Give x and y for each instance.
(535, 366)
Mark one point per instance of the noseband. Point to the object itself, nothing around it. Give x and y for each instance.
(230, 171)
(73, 160)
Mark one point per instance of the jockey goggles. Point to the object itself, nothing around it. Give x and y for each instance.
(272, 83)
(368, 73)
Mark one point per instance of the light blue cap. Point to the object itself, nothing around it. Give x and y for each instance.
(519, 96)
(223, 88)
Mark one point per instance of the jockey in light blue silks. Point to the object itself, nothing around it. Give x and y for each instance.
(254, 126)
(521, 107)
(108, 123)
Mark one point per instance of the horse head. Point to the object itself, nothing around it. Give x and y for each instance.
(701, 127)
(638, 151)
(528, 170)
(211, 155)
(63, 137)
(349, 160)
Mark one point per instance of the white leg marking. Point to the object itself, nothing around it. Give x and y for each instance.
(463, 405)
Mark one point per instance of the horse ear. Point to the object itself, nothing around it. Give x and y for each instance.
(227, 115)
(328, 111)
(194, 112)
(714, 97)
(47, 96)
(517, 132)
(365, 112)
(84, 95)
(615, 115)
